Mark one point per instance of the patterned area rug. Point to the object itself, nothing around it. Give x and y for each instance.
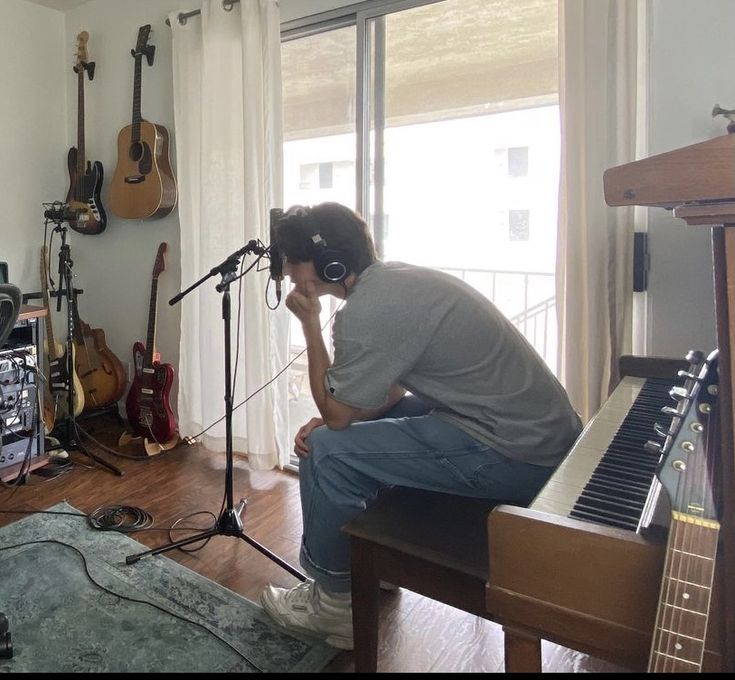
(62, 622)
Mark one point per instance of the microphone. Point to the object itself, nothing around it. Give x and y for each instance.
(274, 255)
(60, 213)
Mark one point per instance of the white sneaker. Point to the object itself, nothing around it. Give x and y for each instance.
(308, 608)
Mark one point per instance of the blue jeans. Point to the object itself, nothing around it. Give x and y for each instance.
(347, 468)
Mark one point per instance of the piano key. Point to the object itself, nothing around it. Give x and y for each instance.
(607, 475)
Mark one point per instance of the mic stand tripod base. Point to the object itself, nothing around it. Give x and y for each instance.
(228, 524)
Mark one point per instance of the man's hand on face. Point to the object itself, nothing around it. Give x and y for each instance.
(305, 305)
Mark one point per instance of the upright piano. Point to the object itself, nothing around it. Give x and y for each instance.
(578, 567)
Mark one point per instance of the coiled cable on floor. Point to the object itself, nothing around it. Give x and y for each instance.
(123, 518)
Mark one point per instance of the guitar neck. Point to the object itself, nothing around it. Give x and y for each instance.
(50, 339)
(151, 337)
(686, 589)
(135, 133)
(77, 331)
(81, 158)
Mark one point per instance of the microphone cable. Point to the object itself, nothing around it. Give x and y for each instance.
(192, 439)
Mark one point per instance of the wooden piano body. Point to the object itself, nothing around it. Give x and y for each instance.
(595, 588)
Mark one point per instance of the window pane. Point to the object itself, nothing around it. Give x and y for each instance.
(470, 147)
(319, 76)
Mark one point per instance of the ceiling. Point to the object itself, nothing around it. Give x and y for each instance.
(62, 5)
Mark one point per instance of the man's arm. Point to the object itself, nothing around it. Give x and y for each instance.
(336, 414)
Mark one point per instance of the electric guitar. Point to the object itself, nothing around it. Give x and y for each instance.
(148, 406)
(85, 183)
(57, 374)
(686, 473)
(143, 184)
(100, 372)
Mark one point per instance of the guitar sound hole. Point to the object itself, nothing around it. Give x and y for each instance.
(136, 151)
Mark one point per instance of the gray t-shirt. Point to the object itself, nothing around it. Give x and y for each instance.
(448, 344)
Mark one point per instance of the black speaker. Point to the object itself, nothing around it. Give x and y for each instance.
(331, 265)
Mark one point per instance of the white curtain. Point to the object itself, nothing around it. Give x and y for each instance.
(228, 117)
(598, 46)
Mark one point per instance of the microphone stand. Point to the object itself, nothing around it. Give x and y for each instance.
(66, 287)
(229, 522)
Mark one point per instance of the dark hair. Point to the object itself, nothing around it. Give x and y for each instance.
(341, 228)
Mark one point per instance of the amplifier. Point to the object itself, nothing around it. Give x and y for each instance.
(21, 433)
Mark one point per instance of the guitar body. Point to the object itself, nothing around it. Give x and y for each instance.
(143, 185)
(84, 196)
(57, 373)
(148, 404)
(100, 372)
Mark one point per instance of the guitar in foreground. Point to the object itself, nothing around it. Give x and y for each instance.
(687, 474)
(85, 182)
(143, 185)
(58, 372)
(147, 404)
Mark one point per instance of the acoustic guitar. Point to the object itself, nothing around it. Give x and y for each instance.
(85, 182)
(57, 373)
(100, 372)
(148, 404)
(143, 185)
(686, 472)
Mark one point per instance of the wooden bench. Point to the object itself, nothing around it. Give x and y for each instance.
(431, 543)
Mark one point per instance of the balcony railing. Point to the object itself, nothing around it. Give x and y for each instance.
(528, 299)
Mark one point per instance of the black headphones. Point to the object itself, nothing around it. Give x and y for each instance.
(331, 265)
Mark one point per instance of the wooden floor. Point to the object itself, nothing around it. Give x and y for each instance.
(417, 634)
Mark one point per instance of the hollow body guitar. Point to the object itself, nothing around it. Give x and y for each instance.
(148, 402)
(143, 185)
(100, 372)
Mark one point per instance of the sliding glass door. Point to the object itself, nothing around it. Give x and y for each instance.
(439, 123)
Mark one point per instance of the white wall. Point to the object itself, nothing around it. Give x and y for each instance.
(114, 268)
(690, 71)
(32, 142)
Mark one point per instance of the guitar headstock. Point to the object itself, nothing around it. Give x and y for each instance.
(160, 263)
(142, 47)
(81, 57)
(687, 461)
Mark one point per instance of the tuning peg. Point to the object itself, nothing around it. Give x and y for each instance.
(653, 447)
(695, 356)
(679, 393)
(689, 376)
(670, 411)
(664, 432)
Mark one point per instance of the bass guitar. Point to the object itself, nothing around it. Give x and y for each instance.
(100, 372)
(143, 185)
(687, 473)
(85, 183)
(148, 405)
(57, 374)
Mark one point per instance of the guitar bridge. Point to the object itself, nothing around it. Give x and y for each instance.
(134, 179)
